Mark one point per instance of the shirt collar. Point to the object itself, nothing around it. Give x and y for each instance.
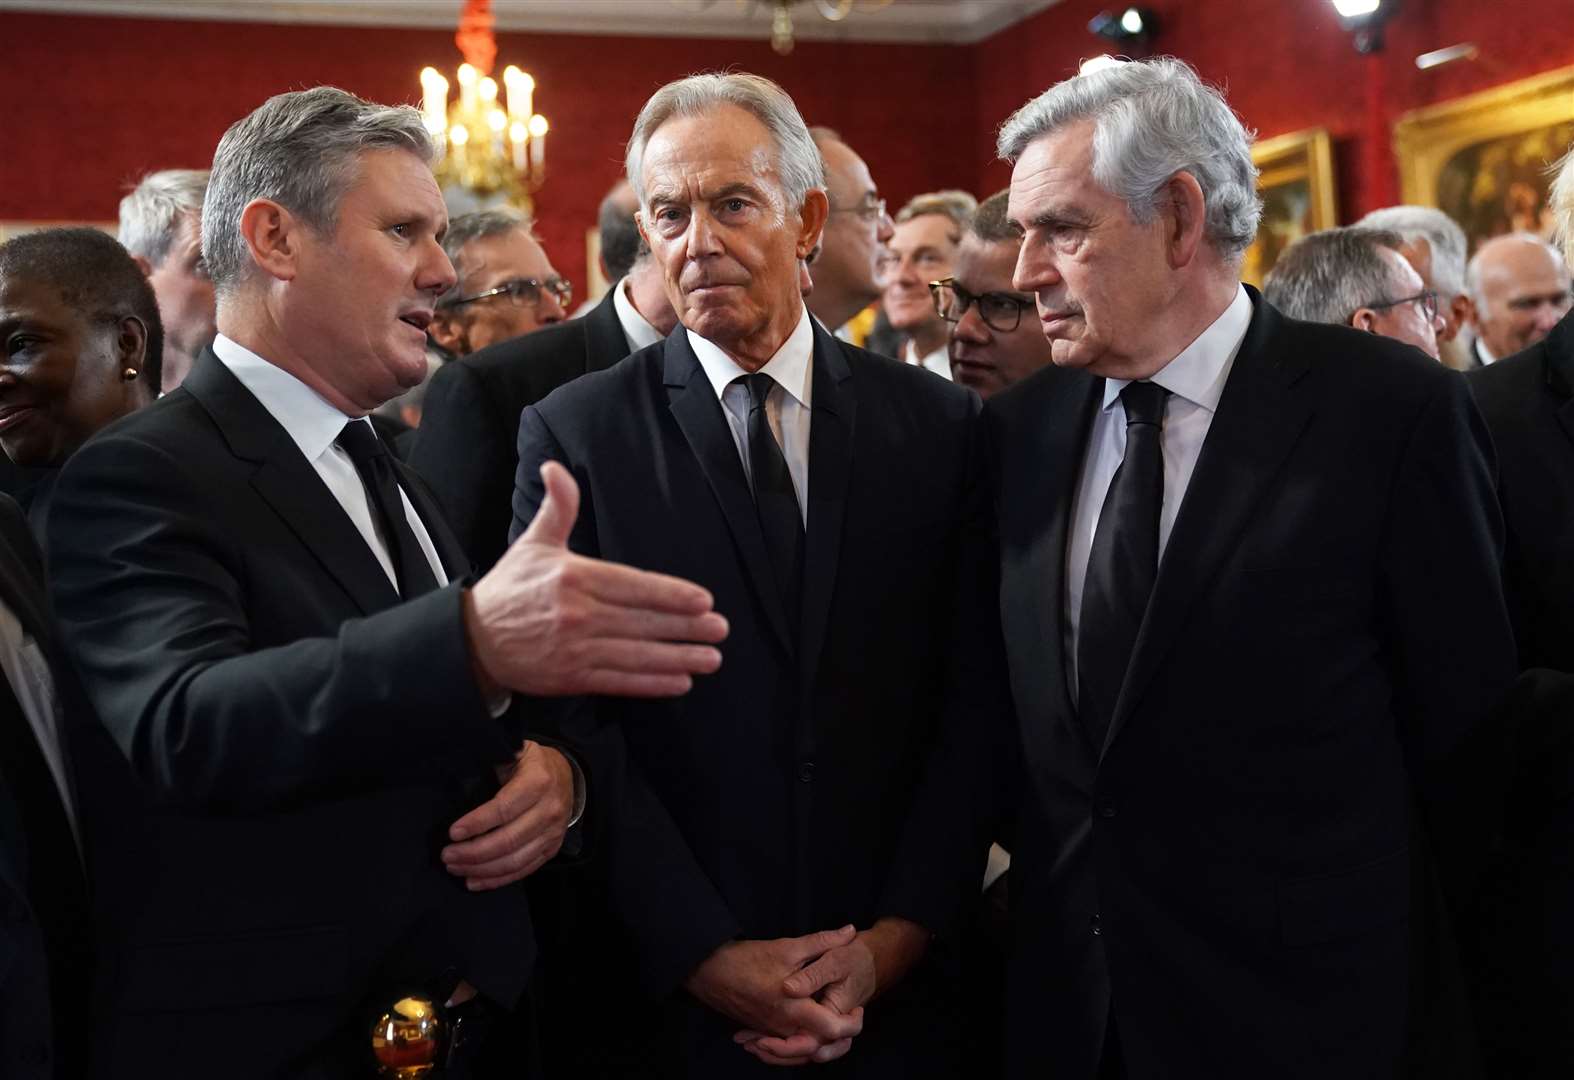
(789, 366)
(311, 422)
(1484, 354)
(1199, 372)
(636, 327)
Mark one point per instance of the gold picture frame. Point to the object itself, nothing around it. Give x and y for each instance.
(1296, 181)
(1483, 159)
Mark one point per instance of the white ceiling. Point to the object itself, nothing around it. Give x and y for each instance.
(939, 21)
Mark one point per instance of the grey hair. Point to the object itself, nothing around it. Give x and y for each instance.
(991, 223)
(1561, 200)
(150, 214)
(798, 160)
(959, 206)
(1327, 276)
(1441, 233)
(1473, 268)
(494, 221)
(1151, 120)
(300, 150)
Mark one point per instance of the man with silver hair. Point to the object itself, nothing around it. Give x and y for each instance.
(1520, 288)
(1249, 713)
(769, 858)
(921, 250)
(504, 284)
(161, 225)
(1355, 276)
(281, 637)
(1434, 244)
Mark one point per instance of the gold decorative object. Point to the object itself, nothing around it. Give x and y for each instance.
(407, 1041)
(493, 140)
(1483, 159)
(1296, 181)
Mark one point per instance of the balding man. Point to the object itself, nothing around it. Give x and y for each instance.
(1434, 244)
(1519, 285)
(1255, 626)
(504, 283)
(844, 271)
(161, 225)
(1356, 277)
(771, 866)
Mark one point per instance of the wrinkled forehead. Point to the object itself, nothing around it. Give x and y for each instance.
(699, 156)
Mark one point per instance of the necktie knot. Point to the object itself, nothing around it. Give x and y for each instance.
(361, 442)
(1144, 403)
(759, 386)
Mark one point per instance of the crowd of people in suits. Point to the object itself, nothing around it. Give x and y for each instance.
(988, 639)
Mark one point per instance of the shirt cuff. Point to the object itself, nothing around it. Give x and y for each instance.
(499, 703)
(579, 789)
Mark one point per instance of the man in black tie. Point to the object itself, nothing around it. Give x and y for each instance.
(781, 817)
(1254, 625)
(280, 633)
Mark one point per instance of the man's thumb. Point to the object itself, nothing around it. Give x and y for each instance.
(554, 519)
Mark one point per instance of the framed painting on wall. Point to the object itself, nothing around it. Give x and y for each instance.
(1296, 181)
(1483, 159)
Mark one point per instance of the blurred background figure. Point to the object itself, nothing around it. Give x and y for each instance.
(1356, 277)
(161, 226)
(506, 287)
(1519, 287)
(923, 249)
(1434, 244)
(850, 246)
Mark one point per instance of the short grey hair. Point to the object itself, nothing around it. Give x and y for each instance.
(300, 150)
(1327, 276)
(477, 225)
(151, 213)
(798, 160)
(1441, 233)
(1561, 201)
(1151, 120)
(959, 206)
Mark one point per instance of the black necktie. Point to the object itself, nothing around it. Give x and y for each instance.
(382, 486)
(1122, 563)
(774, 497)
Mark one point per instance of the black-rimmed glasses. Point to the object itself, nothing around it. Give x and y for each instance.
(1427, 301)
(524, 291)
(1001, 312)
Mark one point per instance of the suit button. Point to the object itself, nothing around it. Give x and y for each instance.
(806, 771)
(1106, 811)
(1097, 929)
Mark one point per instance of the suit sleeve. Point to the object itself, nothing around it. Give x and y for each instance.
(675, 916)
(969, 780)
(1449, 639)
(465, 450)
(151, 592)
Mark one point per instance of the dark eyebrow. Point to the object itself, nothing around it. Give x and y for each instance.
(1051, 218)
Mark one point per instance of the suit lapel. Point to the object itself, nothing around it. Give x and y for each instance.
(1559, 349)
(834, 409)
(1039, 464)
(1259, 419)
(289, 484)
(605, 343)
(698, 414)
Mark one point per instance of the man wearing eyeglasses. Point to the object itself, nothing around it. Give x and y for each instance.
(506, 284)
(1356, 277)
(855, 233)
(992, 344)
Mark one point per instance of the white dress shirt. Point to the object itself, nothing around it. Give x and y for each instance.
(314, 424)
(636, 328)
(1195, 380)
(33, 685)
(787, 406)
(938, 361)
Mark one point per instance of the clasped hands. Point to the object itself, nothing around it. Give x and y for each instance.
(801, 1000)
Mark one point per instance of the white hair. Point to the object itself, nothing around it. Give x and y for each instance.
(1441, 233)
(798, 160)
(1151, 120)
(1561, 200)
(151, 213)
(300, 150)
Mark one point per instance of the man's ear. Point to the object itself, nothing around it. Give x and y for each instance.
(273, 235)
(448, 331)
(1184, 211)
(1364, 319)
(812, 216)
(131, 345)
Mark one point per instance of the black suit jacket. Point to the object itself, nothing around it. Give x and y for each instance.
(1237, 875)
(1528, 403)
(45, 930)
(465, 446)
(303, 739)
(786, 793)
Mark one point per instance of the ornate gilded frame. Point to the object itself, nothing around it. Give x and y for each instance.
(1301, 157)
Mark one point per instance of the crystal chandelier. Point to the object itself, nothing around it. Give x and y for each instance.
(493, 142)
